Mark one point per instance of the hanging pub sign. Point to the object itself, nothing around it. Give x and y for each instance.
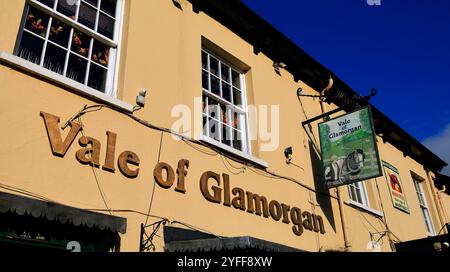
(395, 187)
(349, 149)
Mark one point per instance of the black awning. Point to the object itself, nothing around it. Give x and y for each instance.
(440, 181)
(426, 245)
(64, 214)
(182, 240)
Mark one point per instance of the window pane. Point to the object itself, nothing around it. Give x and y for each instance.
(215, 85)
(67, 8)
(37, 22)
(205, 80)
(59, 33)
(225, 73)
(204, 61)
(49, 3)
(92, 2)
(213, 109)
(235, 120)
(237, 140)
(214, 66)
(213, 129)
(205, 125)
(223, 114)
(100, 53)
(55, 57)
(106, 26)
(80, 43)
(109, 6)
(205, 104)
(226, 135)
(97, 77)
(236, 79)
(226, 91)
(77, 68)
(352, 193)
(87, 16)
(30, 48)
(237, 97)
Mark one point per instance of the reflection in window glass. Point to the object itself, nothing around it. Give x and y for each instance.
(87, 16)
(92, 2)
(205, 61)
(109, 6)
(59, 33)
(215, 85)
(106, 26)
(100, 53)
(205, 80)
(226, 91)
(226, 135)
(80, 43)
(214, 66)
(225, 72)
(49, 3)
(37, 22)
(30, 48)
(237, 97)
(237, 140)
(236, 79)
(97, 78)
(55, 58)
(77, 68)
(67, 8)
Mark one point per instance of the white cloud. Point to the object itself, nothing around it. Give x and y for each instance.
(440, 145)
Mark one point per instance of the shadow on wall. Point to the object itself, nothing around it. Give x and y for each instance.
(319, 185)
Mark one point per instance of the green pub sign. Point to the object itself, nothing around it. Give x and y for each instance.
(349, 149)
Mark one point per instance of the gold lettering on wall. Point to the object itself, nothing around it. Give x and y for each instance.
(164, 175)
(125, 159)
(110, 152)
(89, 155)
(59, 147)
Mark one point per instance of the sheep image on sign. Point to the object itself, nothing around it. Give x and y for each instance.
(349, 149)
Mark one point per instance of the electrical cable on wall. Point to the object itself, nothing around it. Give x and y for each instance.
(99, 186)
(154, 182)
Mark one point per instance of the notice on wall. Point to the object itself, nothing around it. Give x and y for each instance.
(395, 187)
(349, 149)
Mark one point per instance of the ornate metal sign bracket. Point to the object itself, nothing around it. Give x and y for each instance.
(357, 103)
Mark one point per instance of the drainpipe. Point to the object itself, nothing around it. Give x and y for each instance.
(437, 201)
(347, 243)
(439, 192)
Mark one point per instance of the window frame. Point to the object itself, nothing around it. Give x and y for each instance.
(243, 110)
(112, 69)
(363, 193)
(424, 206)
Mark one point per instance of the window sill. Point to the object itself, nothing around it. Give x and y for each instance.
(72, 85)
(365, 208)
(237, 153)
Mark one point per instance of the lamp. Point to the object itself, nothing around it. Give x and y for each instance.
(140, 99)
(288, 154)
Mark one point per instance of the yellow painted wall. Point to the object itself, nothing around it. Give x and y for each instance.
(160, 51)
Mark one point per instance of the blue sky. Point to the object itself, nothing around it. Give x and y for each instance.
(401, 48)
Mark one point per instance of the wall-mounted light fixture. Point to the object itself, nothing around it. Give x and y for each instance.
(288, 154)
(140, 99)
